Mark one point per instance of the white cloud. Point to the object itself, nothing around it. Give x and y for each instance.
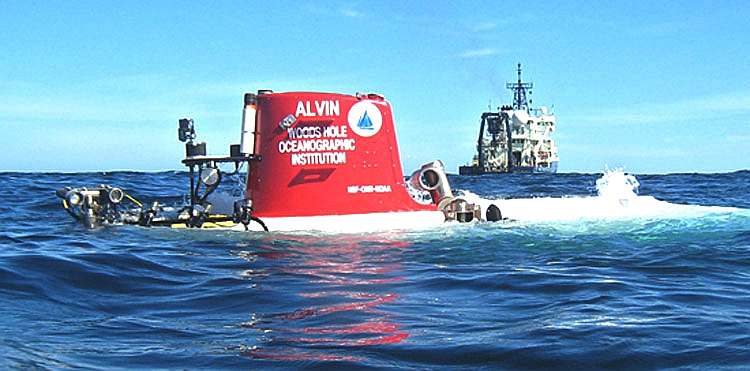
(479, 53)
(661, 29)
(135, 98)
(739, 138)
(483, 26)
(715, 106)
(351, 13)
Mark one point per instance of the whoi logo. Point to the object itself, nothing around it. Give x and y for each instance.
(364, 122)
(365, 119)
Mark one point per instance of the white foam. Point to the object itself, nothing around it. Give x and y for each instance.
(617, 199)
(617, 185)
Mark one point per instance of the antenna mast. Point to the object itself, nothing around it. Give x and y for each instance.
(519, 91)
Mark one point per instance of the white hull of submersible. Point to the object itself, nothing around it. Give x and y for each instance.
(352, 223)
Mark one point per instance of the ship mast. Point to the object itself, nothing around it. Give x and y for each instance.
(519, 91)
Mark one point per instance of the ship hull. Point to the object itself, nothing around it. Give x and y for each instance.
(476, 170)
(535, 169)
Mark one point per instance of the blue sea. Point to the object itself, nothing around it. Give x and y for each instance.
(637, 290)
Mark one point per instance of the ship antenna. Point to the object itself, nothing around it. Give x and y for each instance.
(519, 91)
(519, 73)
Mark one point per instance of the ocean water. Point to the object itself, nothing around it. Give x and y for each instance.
(577, 281)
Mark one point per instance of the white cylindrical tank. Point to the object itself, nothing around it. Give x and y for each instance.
(247, 138)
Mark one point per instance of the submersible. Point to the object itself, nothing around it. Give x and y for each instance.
(314, 161)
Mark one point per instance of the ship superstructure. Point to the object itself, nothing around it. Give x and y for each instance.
(516, 138)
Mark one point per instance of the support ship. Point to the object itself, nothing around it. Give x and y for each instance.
(516, 138)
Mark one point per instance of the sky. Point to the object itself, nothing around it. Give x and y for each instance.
(650, 87)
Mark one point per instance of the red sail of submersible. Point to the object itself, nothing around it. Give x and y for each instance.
(316, 161)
